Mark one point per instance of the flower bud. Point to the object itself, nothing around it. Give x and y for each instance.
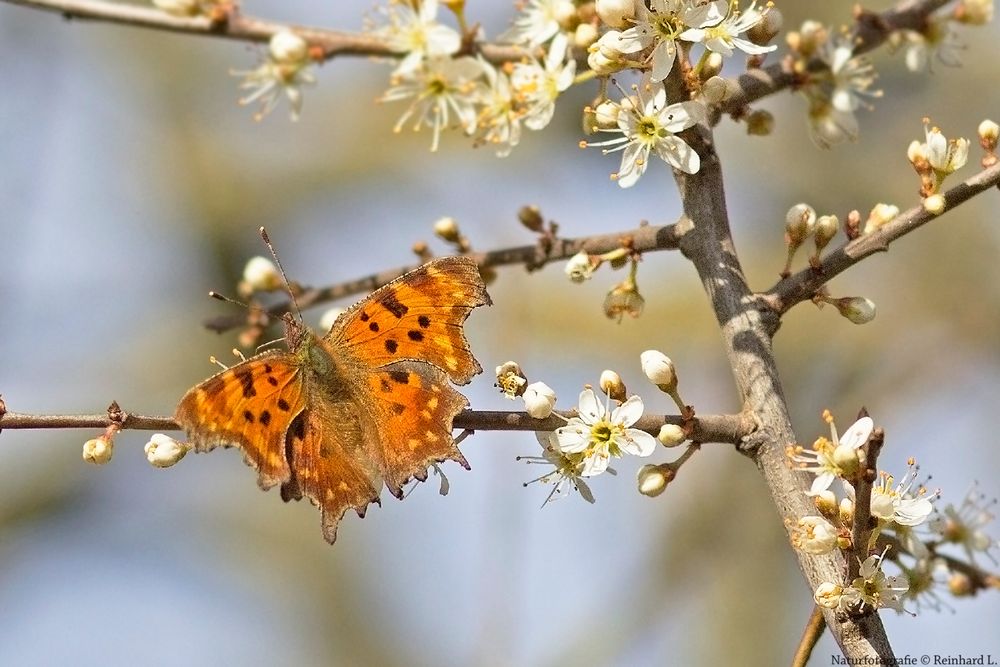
(717, 89)
(531, 217)
(329, 317)
(711, 66)
(653, 479)
(760, 123)
(799, 223)
(762, 32)
(828, 595)
(98, 450)
(612, 385)
(261, 275)
(960, 585)
(585, 35)
(616, 13)
(846, 511)
(826, 228)
(539, 400)
(511, 380)
(826, 503)
(659, 369)
(810, 37)
(606, 115)
(624, 299)
(935, 204)
(287, 48)
(857, 309)
(880, 215)
(988, 132)
(163, 451)
(447, 230)
(564, 12)
(580, 267)
(671, 435)
(974, 12)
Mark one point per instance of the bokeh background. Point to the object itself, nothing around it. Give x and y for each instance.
(131, 183)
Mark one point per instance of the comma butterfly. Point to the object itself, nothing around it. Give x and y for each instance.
(334, 418)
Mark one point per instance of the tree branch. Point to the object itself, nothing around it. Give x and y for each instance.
(729, 429)
(643, 239)
(804, 284)
(745, 331)
(239, 27)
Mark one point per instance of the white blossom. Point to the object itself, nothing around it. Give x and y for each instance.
(443, 87)
(874, 588)
(964, 525)
(567, 472)
(902, 503)
(283, 73)
(650, 127)
(723, 35)
(537, 85)
(821, 460)
(499, 119)
(600, 433)
(163, 451)
(417, 34)
(938, 41)
(538, 22)
(659, 27)
(814, 535)
(539, 400)
(98, 450)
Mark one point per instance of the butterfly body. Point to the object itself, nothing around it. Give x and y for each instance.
(334, 418)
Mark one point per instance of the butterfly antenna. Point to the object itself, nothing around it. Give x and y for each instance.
(281, 270)
(222, 297)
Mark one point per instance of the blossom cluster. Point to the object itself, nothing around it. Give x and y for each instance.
(908, 527)
(602, 428)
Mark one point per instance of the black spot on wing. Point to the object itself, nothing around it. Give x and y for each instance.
(373, 326)
(246, 381)
(283, 405)
(400, 377)
(391, 346)
(415, 335)
(394, 306)
(424, 321)
(265, 417)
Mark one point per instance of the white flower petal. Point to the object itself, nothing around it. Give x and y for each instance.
(572, 438)
(636, 442)
(628, 412)
(858, 433)
(590, 408)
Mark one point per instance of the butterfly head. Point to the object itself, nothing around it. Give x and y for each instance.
(295, 331)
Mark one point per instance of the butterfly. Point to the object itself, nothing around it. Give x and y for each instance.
(334, 418)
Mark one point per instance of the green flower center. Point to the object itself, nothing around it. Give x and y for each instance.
(649, 129)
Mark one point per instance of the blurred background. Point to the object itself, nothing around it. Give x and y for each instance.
(131, 183)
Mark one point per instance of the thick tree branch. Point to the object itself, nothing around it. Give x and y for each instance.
(803, 285)
(745, 331)
(642, 239)
(239, 27)
(708, 429)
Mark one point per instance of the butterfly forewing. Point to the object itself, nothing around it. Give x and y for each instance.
(251, 406)
(417, 316)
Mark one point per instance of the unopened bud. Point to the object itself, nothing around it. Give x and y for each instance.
(612, 385)
(616, 13)
(653, 479)
(846, 458)
(711, 66)
(287, 48)
(447, 230)
(880, 215)
(671, 435)
(98, 450)
(988, 132)
(585, 35)
(760, 123)
(606, 115)
(826, 228)
(539, 400)
(810, 37)
(163, 451)
(762, 32)
(960, 585)
(799, 223)
(261, 275)
(857, 309)
(717, 90)
(531, 217)
(847, 511)
(935, 204)
(826, 503)
(659, 369)
(580, 267)
(329, 317)
(828, 595)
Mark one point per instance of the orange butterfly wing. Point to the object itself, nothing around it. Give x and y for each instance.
(329, 454)
(250, 405)
(417, 316)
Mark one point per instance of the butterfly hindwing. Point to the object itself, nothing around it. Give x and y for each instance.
(250, 405)
(417, 316)
(413, 405)
(331, 463)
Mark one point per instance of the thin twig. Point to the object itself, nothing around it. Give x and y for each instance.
(979, 578)
(864, 522)
(813, 631)
(643, 239)
(240, 27)
(709, 429)
(803, 285)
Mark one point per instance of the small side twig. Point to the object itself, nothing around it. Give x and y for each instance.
(813, 631)
(864, 522)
